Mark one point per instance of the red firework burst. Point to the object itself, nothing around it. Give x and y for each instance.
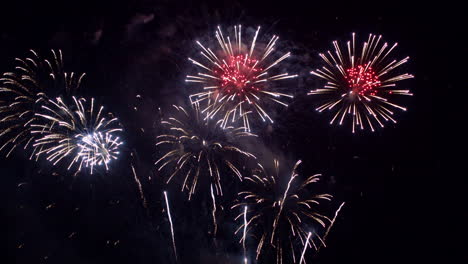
(360, 83)
(235, 78)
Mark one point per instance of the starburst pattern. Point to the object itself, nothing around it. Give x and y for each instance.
(80, 133)
(238, 79)
(361, 83)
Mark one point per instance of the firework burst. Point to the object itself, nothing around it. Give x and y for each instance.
(24, 89)
(84, 136)
(361, 83)
(199, 148)
(238, 78)
(282, 217)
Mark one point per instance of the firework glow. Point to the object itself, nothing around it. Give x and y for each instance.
(361, 83)
(25, 89)
(86, 136)
(238, 79)
(281, 214)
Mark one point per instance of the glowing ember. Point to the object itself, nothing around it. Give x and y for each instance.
(362, 80)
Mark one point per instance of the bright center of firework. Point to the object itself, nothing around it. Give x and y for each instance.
(238, 74)
(98, 149)
(362, 80)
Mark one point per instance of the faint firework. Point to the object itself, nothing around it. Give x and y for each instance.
(199, 150)
(361, 84)
(24, 89)
(282, 217)
(238, 78)
(80, 134)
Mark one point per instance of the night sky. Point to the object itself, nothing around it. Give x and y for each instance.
(130, 48)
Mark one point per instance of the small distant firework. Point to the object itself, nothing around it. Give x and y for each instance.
(199, 148)
(360, 83)
(282, 217)
(24, 89)
(238, 78)
(86, 136)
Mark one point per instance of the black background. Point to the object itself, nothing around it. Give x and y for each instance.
(131, 48)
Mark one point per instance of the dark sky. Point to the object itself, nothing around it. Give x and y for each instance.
(130, 48)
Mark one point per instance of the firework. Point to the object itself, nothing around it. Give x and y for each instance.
(170, 222)
(305, 248)
(85, 136)
(199, 149)
(24, 89)
(140, 189)
(244, 235)
(332, 223)
(238, 78)
(360, 83)
(282, 215)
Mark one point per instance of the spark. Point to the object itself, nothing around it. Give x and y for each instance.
(236, 79)
(86, 136)
(170, 222)
(360, 84)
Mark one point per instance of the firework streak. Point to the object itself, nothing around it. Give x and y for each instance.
(170, 222)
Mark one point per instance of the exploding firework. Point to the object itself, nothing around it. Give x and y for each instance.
(199, 149)
(24, 90)
(84, 136)
(361, 83)
(238, 78)
(282, 216)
